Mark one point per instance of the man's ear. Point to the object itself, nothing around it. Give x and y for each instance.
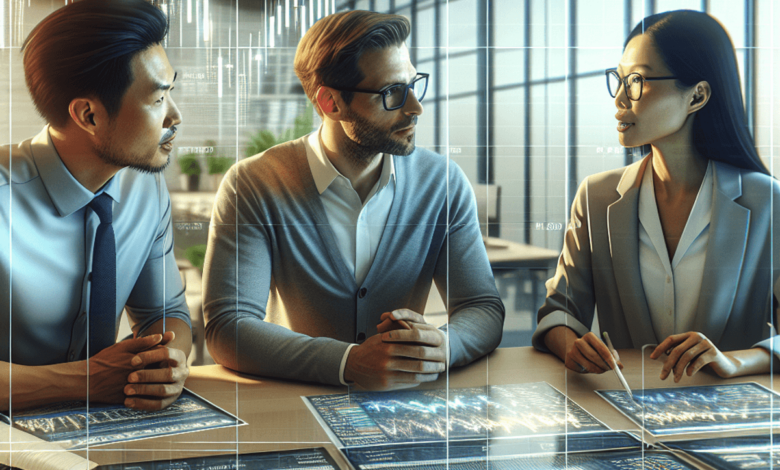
(329, 102)
(700, 95)
(88, 114)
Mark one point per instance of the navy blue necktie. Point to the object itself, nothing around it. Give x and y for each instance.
(102, 298)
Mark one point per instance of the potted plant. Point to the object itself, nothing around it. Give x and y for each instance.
(260, 142)
(264, 139)
(216, 167)
(190, 171)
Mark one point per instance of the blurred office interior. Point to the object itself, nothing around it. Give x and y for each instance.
(517, 98)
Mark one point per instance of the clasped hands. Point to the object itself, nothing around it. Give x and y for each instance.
(405, 352)
(686, 353)
(143, 373)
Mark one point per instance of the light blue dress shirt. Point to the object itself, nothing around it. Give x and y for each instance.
(46, 254)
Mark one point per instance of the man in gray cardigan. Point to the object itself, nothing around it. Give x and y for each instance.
(322, 250)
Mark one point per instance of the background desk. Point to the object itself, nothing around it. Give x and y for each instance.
(279, 420)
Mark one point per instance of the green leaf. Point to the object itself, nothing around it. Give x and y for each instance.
(196, 254)
(189, 164)
(216, 164)
(264, 139)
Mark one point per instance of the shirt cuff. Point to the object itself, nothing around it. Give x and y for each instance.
(344, 364)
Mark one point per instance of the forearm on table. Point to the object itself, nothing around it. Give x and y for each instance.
(750, 361)
(183, 332)
(251, 345)
(478, 330)
(29, 386)
(558, 340)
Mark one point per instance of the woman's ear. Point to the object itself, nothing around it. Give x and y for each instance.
(699, 96)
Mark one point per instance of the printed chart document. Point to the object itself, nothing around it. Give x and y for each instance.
(69, 425)
(526, 426)
(457, 413)
(581, 452)
(681, 411)
(303, 459)
(760, 452)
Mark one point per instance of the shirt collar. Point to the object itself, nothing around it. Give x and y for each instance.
(698, 220)
(65, 192)
(701, 207)
(325, 173)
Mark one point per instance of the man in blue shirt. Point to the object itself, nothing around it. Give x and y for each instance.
(88, 217)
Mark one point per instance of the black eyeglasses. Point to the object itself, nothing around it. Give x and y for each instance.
(633, 83)
(394, 96)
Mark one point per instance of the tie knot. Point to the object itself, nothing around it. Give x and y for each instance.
(102, 206)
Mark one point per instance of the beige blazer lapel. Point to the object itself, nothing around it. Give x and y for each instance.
(623, 223)
(728, 236)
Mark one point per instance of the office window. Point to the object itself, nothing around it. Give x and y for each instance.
(600, 24)
(510, 24)
(667, 5)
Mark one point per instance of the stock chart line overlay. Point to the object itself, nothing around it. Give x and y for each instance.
(497, 411)
(735, 453)
(699, 409)
(66, 423)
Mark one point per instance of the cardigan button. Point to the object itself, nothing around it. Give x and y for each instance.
(362, 292)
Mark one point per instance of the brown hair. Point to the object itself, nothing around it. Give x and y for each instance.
(329, 52)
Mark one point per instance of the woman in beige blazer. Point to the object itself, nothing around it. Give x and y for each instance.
(680, 249)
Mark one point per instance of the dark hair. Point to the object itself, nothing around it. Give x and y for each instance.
(696, 47)
(84, 50)
(329, 52)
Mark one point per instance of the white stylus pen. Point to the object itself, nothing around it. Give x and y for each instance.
(615, 367)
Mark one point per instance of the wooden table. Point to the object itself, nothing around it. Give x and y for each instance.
(278, 419)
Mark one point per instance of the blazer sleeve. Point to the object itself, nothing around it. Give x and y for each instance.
(772, 344)
(570, 299)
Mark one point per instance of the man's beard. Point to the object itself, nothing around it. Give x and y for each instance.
(370, 140)
(110, 155)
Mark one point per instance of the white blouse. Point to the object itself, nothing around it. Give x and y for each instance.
(672, 289)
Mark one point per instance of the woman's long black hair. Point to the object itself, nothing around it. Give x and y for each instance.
(696, 47)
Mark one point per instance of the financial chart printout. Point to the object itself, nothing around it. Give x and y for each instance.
(496, 411)
(66, 423)
(736, 453)
(610, 450)
(711, 408)
(617, 460)
(303, 459)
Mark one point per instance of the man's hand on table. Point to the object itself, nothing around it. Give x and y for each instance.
(109, 369)
(406, 352)
(160, 380)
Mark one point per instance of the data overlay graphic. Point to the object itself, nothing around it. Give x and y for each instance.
(497, 411)
(698, 409)
(302, 459)
(73, 427)
(760, 452)
(473, 459)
